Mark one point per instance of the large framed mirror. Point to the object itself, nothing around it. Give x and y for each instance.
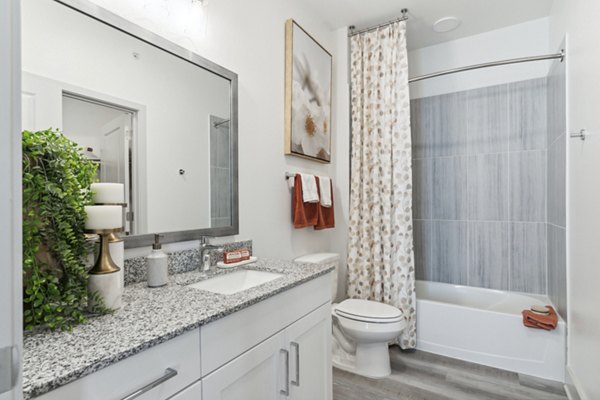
(154, 116)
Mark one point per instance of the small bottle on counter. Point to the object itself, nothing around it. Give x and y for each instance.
(158, 265)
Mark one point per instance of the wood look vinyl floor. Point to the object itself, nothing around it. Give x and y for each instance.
(426, 376)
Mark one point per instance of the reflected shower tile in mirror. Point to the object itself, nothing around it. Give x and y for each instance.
(220, 184)
(220, 142)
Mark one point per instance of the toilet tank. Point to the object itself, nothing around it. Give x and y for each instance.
(324, 258)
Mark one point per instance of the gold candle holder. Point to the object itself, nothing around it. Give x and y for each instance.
(104, 264)
(114, 237)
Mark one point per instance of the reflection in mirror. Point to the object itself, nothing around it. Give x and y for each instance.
(104, 132)
(153, 121)
(220, 172)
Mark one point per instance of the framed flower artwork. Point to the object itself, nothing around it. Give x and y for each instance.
(308, 75)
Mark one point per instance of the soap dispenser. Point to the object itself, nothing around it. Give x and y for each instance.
(158, 265)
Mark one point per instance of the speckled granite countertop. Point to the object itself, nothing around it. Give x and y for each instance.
(148, 317)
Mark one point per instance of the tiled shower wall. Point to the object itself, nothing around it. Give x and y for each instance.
(220, 173)
(556, 227)
(479, 187)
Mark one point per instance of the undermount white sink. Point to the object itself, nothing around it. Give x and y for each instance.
(235, 281)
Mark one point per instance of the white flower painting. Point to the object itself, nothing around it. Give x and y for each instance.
(308, 96)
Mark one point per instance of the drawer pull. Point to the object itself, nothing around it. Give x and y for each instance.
(286, 391)
(169, 373)
(296, 346)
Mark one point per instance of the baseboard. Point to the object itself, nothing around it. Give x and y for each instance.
(571, 385)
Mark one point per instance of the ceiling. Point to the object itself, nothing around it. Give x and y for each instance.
(477, 16)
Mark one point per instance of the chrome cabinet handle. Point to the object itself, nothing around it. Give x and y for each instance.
(169, 373)
(286, 391)
(296, 346)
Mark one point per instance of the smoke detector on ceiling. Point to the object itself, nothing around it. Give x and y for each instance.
(446, 24)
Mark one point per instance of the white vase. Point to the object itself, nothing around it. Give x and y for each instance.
(117, 253)
(108, 287)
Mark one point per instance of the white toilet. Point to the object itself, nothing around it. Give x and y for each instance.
(361, 328)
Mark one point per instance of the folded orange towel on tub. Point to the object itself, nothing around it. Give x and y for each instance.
(540, 321)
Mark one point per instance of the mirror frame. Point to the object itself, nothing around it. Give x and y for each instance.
(106, 17)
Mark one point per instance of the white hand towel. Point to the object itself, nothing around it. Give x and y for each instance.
(325, 187)
(309, 189)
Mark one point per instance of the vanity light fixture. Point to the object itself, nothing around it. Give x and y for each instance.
(446, 24)
(195, 20)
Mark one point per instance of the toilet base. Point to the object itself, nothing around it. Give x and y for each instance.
(371, 360)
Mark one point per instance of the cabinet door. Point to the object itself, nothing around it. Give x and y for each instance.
(193, 392)
(309, 341)
(258, 374)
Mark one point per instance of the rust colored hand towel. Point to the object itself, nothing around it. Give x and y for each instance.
(303, 214)
(326, 217)
(539, 321)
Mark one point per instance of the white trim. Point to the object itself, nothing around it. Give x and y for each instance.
(571, 385)
(10, 183)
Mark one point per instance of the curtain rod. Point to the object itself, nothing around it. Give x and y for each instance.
(560, 56)
(353, 32)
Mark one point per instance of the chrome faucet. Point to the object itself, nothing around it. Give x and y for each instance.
(205, 247)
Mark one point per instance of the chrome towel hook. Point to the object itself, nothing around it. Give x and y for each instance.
(581, 134)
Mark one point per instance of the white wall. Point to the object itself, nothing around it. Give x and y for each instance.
(578, 19)
(100, 59)
(11, 313)
(522, 40)
(247, 37)
(341, 146)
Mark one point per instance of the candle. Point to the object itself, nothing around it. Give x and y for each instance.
(104, 217)
(108, 193)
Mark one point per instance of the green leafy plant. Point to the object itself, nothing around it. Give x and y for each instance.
(56, 181)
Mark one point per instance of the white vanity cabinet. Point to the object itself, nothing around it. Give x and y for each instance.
(258, 374)
(292, 364)
(125, 378)
(309, 346)
(276, 349)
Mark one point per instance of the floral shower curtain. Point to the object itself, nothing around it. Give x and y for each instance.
(380, 249)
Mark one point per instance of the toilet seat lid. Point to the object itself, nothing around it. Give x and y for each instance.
(369, 311)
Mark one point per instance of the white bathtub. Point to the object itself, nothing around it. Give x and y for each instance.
(485, 326)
